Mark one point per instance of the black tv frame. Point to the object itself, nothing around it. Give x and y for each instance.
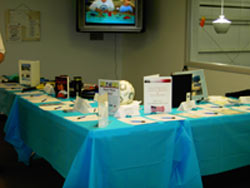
(81, 26)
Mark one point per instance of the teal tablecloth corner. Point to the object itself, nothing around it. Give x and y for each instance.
(186, 171)
(174, 163)
(80, 170)
(13, 137)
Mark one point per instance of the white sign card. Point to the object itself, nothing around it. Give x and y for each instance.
(103, 113)
(132, 109)
(81, 105)
(112, 88)
(48, 88)
(187, 105)
(157, 94)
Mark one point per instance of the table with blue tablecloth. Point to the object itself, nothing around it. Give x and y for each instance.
(161, 154)
(120, 155)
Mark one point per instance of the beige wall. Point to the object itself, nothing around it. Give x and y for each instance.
(219, 83)
(61, 49)
(160, 49)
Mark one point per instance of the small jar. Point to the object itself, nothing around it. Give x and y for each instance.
(78, 85)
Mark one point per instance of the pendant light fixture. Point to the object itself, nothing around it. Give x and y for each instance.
(221, 25)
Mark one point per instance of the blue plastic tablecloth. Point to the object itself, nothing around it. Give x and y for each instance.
(222, 143)
(120, 155)
(154, 155)
(6, 100)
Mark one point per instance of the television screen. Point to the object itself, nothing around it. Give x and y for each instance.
(110, 15)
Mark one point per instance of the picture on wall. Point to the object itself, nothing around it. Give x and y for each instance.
(23, 24)
(199, 85)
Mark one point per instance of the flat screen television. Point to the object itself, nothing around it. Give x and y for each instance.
(109, 15)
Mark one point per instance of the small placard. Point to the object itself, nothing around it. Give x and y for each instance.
(49, 89)
(132, 109)
(103, 110)
(112, 88)
(81, 105)
(186, 106)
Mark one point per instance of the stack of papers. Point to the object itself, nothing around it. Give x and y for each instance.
(209, 106)
(244, 99)
(221, 100)
(190, 115)
(10, 86)
(56, 106)
(165, 117)
(242, 108)
(30, 93)
(82, 118)
(209, 112)
(199, 113)
(136, 120)
(40, 99)
(227, 111)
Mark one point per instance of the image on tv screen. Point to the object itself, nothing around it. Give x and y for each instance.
(110, 12)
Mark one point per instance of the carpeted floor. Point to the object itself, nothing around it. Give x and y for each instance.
(39, 174)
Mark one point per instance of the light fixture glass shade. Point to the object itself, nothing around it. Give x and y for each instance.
(221, 25)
